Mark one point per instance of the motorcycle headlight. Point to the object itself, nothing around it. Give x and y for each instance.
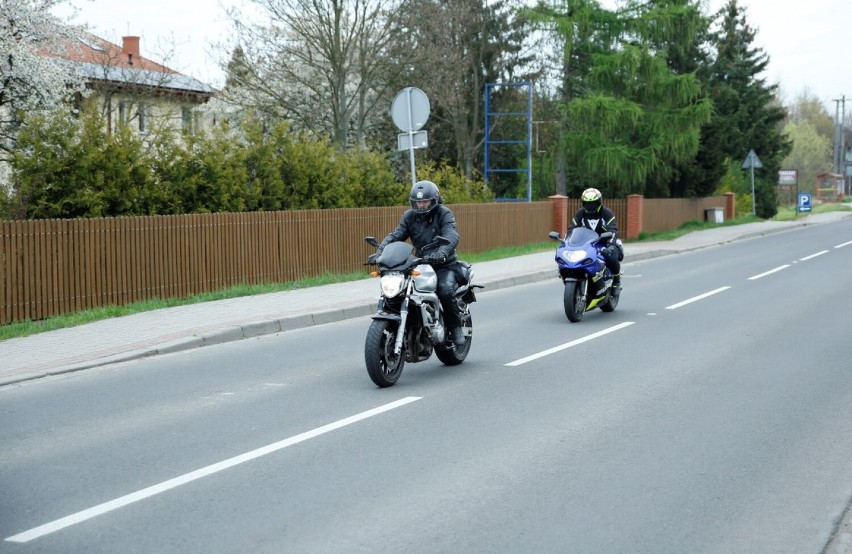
(574, 256)
(392, 284)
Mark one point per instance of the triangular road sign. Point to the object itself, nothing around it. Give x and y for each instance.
(752, 161)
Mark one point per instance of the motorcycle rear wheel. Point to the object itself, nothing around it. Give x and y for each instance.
(383, 367)
(610, 304)
(454, 355)
(574, 301)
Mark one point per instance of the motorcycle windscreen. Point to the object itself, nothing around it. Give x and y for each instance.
(396, 255)
(581, 235)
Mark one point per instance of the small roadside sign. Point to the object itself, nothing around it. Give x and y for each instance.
(788, 177)
(804, 202)
(406, 141)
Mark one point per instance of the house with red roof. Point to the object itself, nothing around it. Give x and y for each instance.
(131, 89)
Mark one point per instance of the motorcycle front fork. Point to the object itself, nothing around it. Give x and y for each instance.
(403, 318)
(582, 289)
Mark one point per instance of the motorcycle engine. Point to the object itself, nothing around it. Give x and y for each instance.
(437, 332)
(436, 329)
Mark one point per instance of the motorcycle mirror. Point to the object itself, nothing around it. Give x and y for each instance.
(554, 235)
(372, 241)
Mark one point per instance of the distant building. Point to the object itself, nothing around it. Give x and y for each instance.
(130, 89)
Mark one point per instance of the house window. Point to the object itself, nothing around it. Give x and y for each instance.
(186, 119)
(143, 118)
(122, 113)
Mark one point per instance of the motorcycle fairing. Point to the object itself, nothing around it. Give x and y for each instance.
(396, 256)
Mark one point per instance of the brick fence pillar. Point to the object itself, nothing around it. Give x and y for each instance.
(634, 216)
(560, 213)
(730, 206)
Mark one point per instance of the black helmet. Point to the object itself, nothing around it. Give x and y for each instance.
(592, 200)
(424, 191)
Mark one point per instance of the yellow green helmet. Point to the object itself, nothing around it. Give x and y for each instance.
(592, 200)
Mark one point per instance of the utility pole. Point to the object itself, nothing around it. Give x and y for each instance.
(839, 140)
(842, 153)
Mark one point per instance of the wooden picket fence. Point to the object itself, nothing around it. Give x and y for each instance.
(54, 267)
(60, 266)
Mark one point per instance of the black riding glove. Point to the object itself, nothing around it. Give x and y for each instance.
(443, 254)
(439, 256)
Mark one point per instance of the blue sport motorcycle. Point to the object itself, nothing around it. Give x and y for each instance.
(588, 282)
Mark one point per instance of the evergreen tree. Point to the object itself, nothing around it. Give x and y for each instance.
(747, 112)
(237, 72)
(67, 167)
(698, 176)
(633, 118)
(577, 28)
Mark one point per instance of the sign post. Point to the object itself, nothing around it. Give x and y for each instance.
(410, 110)
(751, 162)
(787, 178)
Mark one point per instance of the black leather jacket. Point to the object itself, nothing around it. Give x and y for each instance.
(422, 230)
(601, 222)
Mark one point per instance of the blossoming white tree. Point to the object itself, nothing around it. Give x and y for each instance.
(31, 81)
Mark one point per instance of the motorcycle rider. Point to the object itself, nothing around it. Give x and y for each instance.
(426, 219)
(601, 219)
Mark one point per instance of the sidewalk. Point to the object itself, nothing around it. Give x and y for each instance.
(197, 325)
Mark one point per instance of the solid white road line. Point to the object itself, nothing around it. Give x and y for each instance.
(696, 298)
(570, 344)
(806, 258)
(770, 272)
(84, 515)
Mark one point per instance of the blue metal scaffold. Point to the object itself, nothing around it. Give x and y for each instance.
(526, 141)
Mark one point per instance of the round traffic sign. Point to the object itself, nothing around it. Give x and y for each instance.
(410, 109)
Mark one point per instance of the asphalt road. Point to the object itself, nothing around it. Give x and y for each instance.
(710, 413)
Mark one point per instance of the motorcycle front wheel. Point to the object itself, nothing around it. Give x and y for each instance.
(574, 301)
(382, 366)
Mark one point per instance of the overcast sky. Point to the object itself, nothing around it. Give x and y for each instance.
(809, 41)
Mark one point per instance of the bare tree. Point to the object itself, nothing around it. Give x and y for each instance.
(454, 48)
(320, 64)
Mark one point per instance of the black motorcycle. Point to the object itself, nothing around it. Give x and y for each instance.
(409, 322)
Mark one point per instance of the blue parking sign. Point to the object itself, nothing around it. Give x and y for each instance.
(804, 202)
